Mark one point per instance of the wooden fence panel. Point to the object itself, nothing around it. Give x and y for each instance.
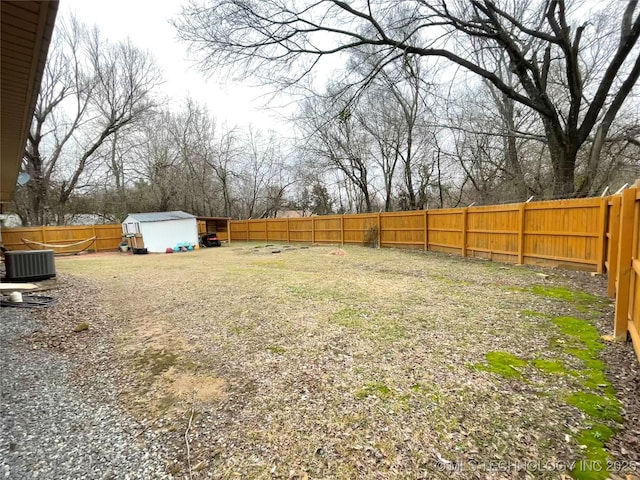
(108, 238)
(327, 229)
(355, 227)
(493, 232)
(12, 237)
(634, 287)
(257, 231)
(613, 241)
(300, 229)
(446, 230)
(239, 229)
(402, 229)
(277, 229)
(634, 284)
(564, 233)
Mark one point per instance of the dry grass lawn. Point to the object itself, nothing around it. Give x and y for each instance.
(356, 363)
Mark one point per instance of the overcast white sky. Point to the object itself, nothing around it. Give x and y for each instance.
(146, 23)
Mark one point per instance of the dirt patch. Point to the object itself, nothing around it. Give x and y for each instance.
(183, 385)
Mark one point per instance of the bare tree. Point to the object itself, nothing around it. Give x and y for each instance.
(334, 135)
(223, 164)
(282, 41)
(91, 90)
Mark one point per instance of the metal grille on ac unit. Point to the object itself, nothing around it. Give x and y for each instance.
(30, 265)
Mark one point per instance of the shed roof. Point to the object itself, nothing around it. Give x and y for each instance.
(160, 216)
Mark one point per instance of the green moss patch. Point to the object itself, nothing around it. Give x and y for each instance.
(374, 389)
(565, 294)
(350, 317)
(504, 364)
(555, 367)
(81, 327)
(596, 380)
(596, 406)
(157, 361)
(533, 313)
(594, 464)
(276, 349)
(582, 301)
(596, 399)
(581, 331)
(389, 332)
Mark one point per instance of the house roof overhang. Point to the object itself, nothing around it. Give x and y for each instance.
(25, 33)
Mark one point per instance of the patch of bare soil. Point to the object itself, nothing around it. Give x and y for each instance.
(307, 363)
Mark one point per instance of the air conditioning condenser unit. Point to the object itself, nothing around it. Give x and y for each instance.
(29, 265)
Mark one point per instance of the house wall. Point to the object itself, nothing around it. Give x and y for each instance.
(158, 236)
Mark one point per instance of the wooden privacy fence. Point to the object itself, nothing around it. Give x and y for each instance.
(108, 237)
(623, 262)
(568, 233)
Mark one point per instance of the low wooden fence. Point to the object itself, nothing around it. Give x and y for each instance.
(108, 237)
(568, 233)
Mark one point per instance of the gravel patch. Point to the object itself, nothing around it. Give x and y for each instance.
(49, 427)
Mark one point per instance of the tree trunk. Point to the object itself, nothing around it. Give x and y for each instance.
(563, 161)
(511, 150)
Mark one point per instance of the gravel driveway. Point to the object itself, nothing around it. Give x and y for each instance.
(51, 430)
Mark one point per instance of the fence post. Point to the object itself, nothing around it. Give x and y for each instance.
(379, 228)
(266, 230)
(521, 224)
(613, 244)
(313, 230)
(247, 225)
(229, 231)
(426, 230)
(627, 213)
(95, 242)
(464, 231)
(602, 233)
(44, 236)
(342, 229)
(288, 234)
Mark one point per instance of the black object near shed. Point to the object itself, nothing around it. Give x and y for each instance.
(217, 225)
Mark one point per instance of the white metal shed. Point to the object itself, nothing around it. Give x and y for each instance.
(162, 230)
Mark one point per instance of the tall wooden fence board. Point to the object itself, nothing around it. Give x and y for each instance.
(623, 262)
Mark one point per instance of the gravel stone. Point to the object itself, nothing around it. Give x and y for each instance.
(49, 428)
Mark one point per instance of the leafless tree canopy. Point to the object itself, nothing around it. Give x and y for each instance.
(91, 90)
(574, 73)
